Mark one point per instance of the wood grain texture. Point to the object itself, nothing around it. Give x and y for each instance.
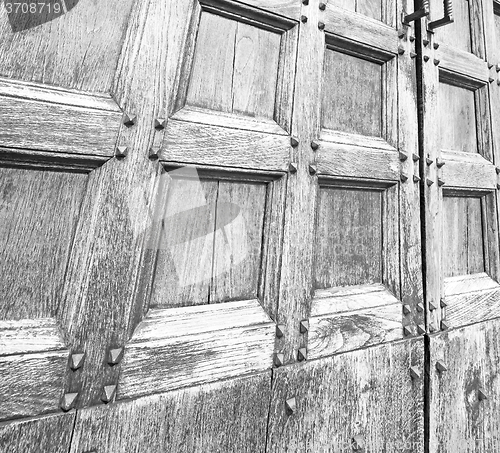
(355, 140)
(182, 347)
(348, 247)
(38, 216)
(29, 335)
(370, 8)
(235, 68)
(458, 33)
(37, 434)
(367, 377)
(190, 143)
(464, 283)
(41, 118)
(31, 384)
(78, 50)
(350, 298)
(459, 63)
(345, 106)
(468, 171)
(228, 416)
(459, 421)
(356, 162)
(336, 333)
(463, 242)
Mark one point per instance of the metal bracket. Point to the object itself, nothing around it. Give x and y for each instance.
(418, 14)
(447, 19)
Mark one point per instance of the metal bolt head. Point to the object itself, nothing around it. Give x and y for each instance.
(154, 152)
(497, 169)
(108, 393)
(304, 326)
(401, 33)
(440, 182)
(115, 356)
(321, 25)
(303, 19)
(160, 124)
(425, 42)
(403, 177)
(414, 373)
(429, 182)
(444, 325)
(420, 308)
(280, 330)
(491, 79)
(305, 2)
(294, 142)
(441, 367)
(407, 331)
(129, 120)
(68, 401)
(416, 178)
(406, 309)
(432, 306)
(413, 55)
(292, 167)
(435, 45)
(314, 145)
(302, 354)
(429, 161)
(279, 359)
(481, 395)
(402, 156)
(291, 405)
(401, 50)
(436, 62)
(76, 361)
(443, 303)
(121, 151)
(313, 169)
(439, 162)
(322, 6)
(426, 58)
(415, 157)
(420, 329)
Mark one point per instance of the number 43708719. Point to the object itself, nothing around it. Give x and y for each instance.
(33, 7)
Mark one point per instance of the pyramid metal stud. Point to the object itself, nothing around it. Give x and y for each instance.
(115, 356)
(401, 50)
(280, 330)
(497, 67)
(440, 366)
(322, 6)
(415, 157)
(498, 185)
(154, 152)
(490, 65)
(420, 308)
(412, 38)
(491, 79)
(321, 25)
(407, 331)
(439, 162)
(76, 361)
(291, 405)
(160, 124)
(443, 303)
(416, 178)
(406, 309)
(68, 401)
(121, 151)
(435, 45)
(429, 182)
(108, 393)
(414, 372)
(497, 169)
(294, 142)
(129, 120)
(292, 167)
(432, 306)
(420, 329)
(426, 58)
(436, 62)
(444, 325)
(481, 395)
(302, 354)
(304, 326)
(432, 327)
(314, 145)
(305, 2)
(279, 359)
(429, 161)
(413, 54)
(313, 169)
(425, 42)
(303, 19)
(440, 182)
(401, 33)
(402, 156)
(403, 177)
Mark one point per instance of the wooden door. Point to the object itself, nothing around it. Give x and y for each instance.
(461, 144)
(210, 228)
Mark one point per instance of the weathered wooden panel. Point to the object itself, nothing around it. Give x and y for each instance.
(38, 216)
(458, 33)
(348, 237)
(235, 68)
(78, 49)
(461, 421)
(345, 106)
(457, 118)
(229, 416)
(463, 245)
(189, 346)
(38, 434)
(460, 63)
(43, 118)
(370, 8)
(345, 397)
(468, 171)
